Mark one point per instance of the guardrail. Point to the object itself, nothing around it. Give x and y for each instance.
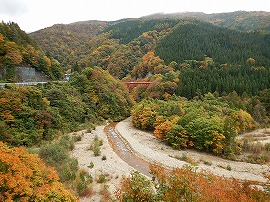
(2, 85)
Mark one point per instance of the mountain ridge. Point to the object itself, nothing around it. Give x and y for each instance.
(74, 44)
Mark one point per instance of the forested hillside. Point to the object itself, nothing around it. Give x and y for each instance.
(67, 43)
(30, 115)
(195, 39)
(179, 54)
(241, 20)
(173, 39)
(18, 49)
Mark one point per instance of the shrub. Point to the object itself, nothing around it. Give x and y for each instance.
(83, 180)
(101, 178)
(208, 125)
(135, 188)
(91, 165)
(186, 184)
(186, 158)
(257, 152)
(95, 146)
(96, 151)
(206, 162)
(105, 194)
(77, 138)
(25, 177)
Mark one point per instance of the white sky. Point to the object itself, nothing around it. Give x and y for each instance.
(32, 15)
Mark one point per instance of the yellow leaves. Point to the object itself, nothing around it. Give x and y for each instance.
(251, 61)
(45, 102)
(47, 61)
(167, 96)
(4, 100)
(25, 176)
(68, 71)
(161, 129)
(13, 53)
(7, 116)
(95, 52)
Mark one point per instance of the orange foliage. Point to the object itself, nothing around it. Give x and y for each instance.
(10, 102)
(162, 129)
(186, 184)
(1, 38)
(25, 177)
(13, 53)
(149, 63)
(68, 71)
(47, 61)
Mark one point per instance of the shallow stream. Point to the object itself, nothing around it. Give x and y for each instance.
(123, 150)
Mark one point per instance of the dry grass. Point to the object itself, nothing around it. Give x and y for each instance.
(256, 151)
(206, 162)
(187, 159)
(105, 194)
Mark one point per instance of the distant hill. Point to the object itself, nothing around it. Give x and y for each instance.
(241, 20)
(191, 39)
(227, 38)
(66, 42)
(129, 29)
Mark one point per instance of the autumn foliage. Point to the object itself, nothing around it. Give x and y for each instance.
(25, 177)
(186, 184)
(207, 125)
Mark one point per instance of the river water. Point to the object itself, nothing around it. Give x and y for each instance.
(123, 150)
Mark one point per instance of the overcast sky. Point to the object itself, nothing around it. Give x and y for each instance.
(32, 15)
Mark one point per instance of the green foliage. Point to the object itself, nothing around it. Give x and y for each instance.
(128, 30)
(101, 178)
(136, 188)
(74, 44)
(95, 146)
(103, 94)
(82, 183)
(195, 80)
(194, 39)
(91, 165)
(18, 49)
(57, 155)
(207, 133)
(12, 32)
(207, 125)
(67, 42)
(24, 116)
(186, 184)
(30, 115)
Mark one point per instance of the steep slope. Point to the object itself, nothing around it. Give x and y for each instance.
(129, 29)
(66, 42)
(194, 39)
(18, 49)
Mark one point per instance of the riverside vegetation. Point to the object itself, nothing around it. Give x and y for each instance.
(209, 84)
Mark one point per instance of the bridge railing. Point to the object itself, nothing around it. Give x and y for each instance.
(2, 85)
